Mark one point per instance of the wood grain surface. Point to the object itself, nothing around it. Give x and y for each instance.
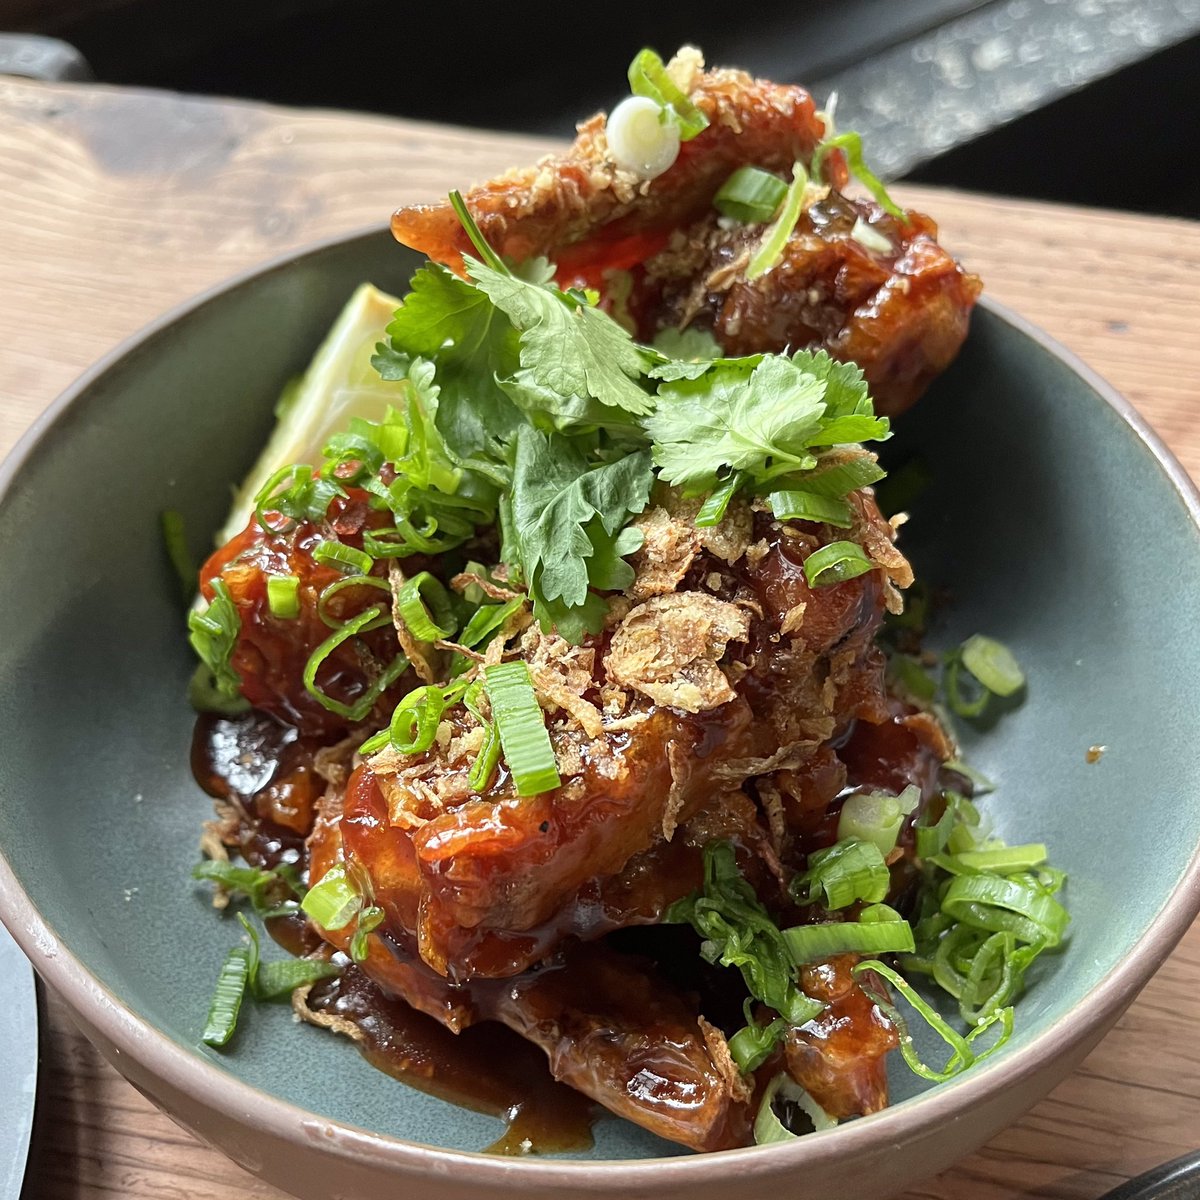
(116, 205)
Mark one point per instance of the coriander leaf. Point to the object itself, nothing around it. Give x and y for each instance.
(694, 345)
(672, 369)
(560, 503)
(759, 421)
(607, 569)
(554, 413)
(571, 349)
(846, 391)
(455, 324)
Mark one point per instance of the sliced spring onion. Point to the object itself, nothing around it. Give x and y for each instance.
(769, 1128)
(271, 893)
(993, 664)
(296, 494)
(414, 722)
(835, 563)
(750, 195)
(344, 584)
(1006, 905)
(752, 1045)
(226, 1003)
(712, 511)
(980, 783)
(283, 596)
(205, 696)
(776, 235)
(851, 143)
(213, 634)
(415, 600)
(369, 919)
(1000, 860)
(522, 728)
(844, 873)
(334, 901)
(370, 618)
(877, 817)
(642, 137)
(837, 476)
(907, 672)
(484, 766)
(869, 238)
(341, 557)
(280, 978)
(648, 77)
(174, 538)
(963, 1053)
(931, 837)
(487, 620)
(967, 698)
(810, 506)
(815, 943)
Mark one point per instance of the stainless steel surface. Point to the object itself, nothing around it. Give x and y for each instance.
(18, 1064)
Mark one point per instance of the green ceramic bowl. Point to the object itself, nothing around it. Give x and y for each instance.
(1058, 519)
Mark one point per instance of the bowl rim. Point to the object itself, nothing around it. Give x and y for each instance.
(217, 1088)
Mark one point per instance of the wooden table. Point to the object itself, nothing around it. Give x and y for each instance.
(115, 205)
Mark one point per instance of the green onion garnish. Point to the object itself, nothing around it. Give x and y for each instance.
(226, 1001)
(175, 542)
(993, 664)
(368, 619)
(752, 1045)
(487, 619)
(369, 919)
(851, 143)
(877, 817)
(963, 1048)
(775, 237)
(484, 766)
(769, 1128)
(932, 836)
(815, 943)
(414, 722)
(648, 77)
(283, 596)
(839, 876)
(271, 893)
(415, 595)
(835, 563)
(333, 902)
(809, 506)
(281, 977)
(750, 195)
(907, 673)
(214, 635)
(1006, 905)
(343, 558)
(999, 860)
(522, 728)
(341, 585)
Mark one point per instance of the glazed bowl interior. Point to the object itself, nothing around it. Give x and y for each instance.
(1048, 519)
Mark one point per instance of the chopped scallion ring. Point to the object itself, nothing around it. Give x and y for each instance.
(844, 873)
(414, 723)
(343, 558)
(769, 1128)
(226, 1001)
(836, 563)
(334, 901)
(368, 619)
(488, 619)
(640, 140)
(712, 511)
(770, 249)
(815, 943)
(993, 664)
(522, 728)
(752, 1045)
(341, 585)
(1001, 904)
(416, 598)
(280, 978)
(369, 919)
(851, 144)
(648, 77)
(283, 596)
(877, 817)
(750, 195)
(809, 506)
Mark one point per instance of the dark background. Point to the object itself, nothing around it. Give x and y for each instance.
(1119, 134)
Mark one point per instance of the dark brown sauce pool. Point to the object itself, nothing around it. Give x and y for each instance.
(259, 764)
